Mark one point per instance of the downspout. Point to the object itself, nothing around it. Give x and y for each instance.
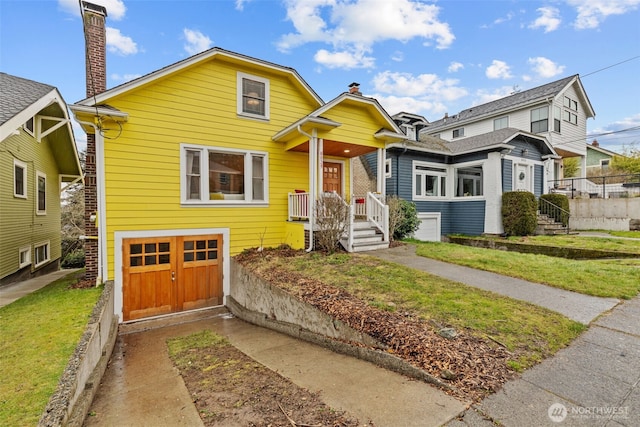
(312, 181)
(101, 217)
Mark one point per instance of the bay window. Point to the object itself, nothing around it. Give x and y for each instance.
(469, 181)
(429, 181)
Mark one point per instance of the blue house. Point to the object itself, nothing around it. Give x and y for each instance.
(457, 186)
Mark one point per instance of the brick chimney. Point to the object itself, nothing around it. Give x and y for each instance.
(354, 88)
(595, 143)
(94, 17)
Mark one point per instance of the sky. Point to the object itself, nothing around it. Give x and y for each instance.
(422, 57)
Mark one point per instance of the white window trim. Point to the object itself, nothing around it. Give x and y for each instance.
(38, 176)
(387, 168)
(35, 251)
(204, 174)
(239, 108)
(27, 250)
(454, 180)
(23, 165)
(446, 174)
(29, 131)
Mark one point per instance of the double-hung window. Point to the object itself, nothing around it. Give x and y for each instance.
(469, 181)
(457, 133)
(214, 175)
(429, 181)
(539, 120)
(569, 114)
(41, 193)
(19, 179)
(501, 123)
(253, 96)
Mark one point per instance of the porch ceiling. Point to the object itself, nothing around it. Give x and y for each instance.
(565, 153)
(336, 148)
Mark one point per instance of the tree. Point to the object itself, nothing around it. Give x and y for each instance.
(628, 162)
(570, 166)
(72, 219)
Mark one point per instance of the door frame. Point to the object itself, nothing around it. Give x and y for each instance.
(529, 180)
(118, 261)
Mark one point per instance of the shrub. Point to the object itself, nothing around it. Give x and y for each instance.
(403, 218)
(332, 217)
(560, 200)
(571, 166)
(74, 259)
(519, 213)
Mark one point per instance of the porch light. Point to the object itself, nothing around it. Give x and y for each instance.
(347, 151)
(525, 151)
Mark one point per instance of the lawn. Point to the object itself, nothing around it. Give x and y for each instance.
(38, 335)
(582, 242)
(602, 278)
(530, 332)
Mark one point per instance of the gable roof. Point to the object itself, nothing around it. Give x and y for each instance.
(23, 99)
(602, 150)
(497, 139)
(192, 61)
(515, 101)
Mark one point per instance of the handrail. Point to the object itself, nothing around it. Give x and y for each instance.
(378, 214)
(556, 212)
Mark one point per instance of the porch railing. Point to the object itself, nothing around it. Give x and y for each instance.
(604, 187)
(554, 212)
(377, 213)
(298, 206)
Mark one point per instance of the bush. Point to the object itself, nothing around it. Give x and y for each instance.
(559, 200)
(403, 218)
(519, 216)
(74, 259)
(332, 217)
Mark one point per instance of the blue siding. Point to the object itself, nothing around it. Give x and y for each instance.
(470, 157)
(538, 180)
(507, 175)
(533, 151)
(445, 213)
(468, 217)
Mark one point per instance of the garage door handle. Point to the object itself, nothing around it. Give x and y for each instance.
(173, 276)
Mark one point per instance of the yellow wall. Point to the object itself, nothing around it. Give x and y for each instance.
(198, 106)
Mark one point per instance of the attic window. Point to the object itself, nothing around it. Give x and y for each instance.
(457, 133)
(29, 126)
(501, 123)
(253, 96)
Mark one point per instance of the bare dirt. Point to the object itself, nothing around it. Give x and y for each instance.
(243, 392)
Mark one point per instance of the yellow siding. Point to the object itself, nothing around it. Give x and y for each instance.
(358, 125)
(198, 106)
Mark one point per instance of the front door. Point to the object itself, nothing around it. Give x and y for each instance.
(164, 275)
(522, 178)
(332, 177)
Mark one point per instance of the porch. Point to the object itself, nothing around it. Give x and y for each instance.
(362, 224)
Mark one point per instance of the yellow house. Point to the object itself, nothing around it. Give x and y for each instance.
(212, 155)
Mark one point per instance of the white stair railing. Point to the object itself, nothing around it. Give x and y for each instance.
(378, 214)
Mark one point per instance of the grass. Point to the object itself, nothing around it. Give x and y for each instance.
(530, 332)
(181, 348)
(602, 278)
(38, 335)
(632, 234)
(582, 242)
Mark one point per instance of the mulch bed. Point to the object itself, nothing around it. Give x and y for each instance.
(473, 366)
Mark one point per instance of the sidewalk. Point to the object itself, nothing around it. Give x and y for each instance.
(593, 382)
(575, 306)
(15, 291)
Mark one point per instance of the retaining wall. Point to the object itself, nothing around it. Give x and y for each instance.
(70, 402)
(619, 214)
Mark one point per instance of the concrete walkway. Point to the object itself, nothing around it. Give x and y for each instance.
(15, 291)
(579, 307)
(141, 387)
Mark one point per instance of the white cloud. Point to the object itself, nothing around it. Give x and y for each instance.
(619, 141)
(115, 8)
(397, 56)
(483, 96)
(196, 41)
(396, 104)
(498, 70)
(549, 19)
(591, 13)
(423, 85)
(356, 25)
(544, 67)
(120, 44)
(240, 4)
(124, 77)
(345, 59)
(455, 67)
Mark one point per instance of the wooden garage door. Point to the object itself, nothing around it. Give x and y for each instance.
(164, 275)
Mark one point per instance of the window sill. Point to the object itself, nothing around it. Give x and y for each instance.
(253, 117)
(223, 203)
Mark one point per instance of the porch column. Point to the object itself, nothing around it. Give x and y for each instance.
(380, 181)
(320, 176)
(313, 192)
(549, 172)
(492, 190)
